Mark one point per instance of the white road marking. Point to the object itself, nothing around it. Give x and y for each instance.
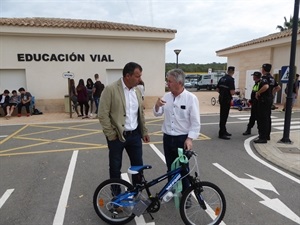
(63, 201)
(158, 152)
(5, 196)
(210, 212)
(3, 136)
(282, 123)
(296, 127)
(239, 115)
(250, 152)
(257, 183)
(244, 118)
(139, 220)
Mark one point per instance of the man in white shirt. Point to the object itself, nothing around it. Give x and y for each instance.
(181, 118)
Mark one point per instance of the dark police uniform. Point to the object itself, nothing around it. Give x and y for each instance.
(254, 103)
(272, 83)
(225, 85)
(265, 101)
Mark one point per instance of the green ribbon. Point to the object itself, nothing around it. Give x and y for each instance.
(178, 186)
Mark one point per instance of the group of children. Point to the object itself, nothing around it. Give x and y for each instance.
(9, 102)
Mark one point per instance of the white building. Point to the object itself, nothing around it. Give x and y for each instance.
(35, 52)
(249, 56)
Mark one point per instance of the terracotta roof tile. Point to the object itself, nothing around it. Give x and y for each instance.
(78, 24)
(267, 38)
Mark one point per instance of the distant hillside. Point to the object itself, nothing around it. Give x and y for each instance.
(197, 67)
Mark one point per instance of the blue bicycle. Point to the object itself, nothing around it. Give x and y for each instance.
(116, 201)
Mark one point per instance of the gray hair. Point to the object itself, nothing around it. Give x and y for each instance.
(178, 74)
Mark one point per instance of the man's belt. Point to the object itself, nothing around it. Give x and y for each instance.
(130, 132)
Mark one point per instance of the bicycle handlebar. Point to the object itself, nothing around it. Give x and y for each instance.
(189, 153)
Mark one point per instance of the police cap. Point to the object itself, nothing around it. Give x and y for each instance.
(257, 74)
(267, 67)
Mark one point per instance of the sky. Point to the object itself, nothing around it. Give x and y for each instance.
(203, 26)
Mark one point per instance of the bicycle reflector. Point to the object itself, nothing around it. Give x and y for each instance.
(217, 211)
(101, 202)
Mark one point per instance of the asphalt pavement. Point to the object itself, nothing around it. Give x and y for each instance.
(284, 155)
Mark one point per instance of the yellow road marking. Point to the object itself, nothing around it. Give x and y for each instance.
(26, 146)
(88, 146)
(52, 151)
(13, 134)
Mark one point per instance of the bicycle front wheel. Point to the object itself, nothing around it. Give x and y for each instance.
(203, 206)
(213, 100)
(112, 203)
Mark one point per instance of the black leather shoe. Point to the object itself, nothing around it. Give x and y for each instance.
(224, 137)
(228, 134)
(260, 141)
(268, 138)
(247, 132)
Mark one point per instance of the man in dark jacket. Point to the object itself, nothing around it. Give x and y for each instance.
(265, 95)
(4, 100)
(97, 91)
(226, 89)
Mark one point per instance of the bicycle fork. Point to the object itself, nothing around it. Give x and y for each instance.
(199, 197)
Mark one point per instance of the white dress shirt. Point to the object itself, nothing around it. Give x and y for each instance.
(181, 114)
(132, 106)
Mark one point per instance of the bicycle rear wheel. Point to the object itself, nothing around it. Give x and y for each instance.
(203, 207)
(108, 204)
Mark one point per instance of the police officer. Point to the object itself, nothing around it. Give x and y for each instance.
(265, 95)
(256, 78)
(226, 89)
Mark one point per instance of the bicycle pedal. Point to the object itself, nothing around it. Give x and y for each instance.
(116, 210)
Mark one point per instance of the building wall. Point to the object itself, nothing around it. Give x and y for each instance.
(44, 78)
(252, 60)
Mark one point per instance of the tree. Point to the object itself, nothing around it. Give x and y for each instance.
(287, 24)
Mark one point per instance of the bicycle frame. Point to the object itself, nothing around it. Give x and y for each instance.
(176, 174)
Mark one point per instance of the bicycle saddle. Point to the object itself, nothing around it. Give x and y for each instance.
(138, 169)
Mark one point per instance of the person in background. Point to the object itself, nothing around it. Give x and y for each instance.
(97, 91)
(253, 117)
(226, 89)
(265, 95)
(14, 100)
(294, 93)
(181, 118)
(25, 100)
(73, 94)
(82, 98)
(89, 87)
(121, 116)
(4, 100)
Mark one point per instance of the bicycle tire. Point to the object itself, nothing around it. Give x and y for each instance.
(213, 101)
(104, 207)
(214, 201)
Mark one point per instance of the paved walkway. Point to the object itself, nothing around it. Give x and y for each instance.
(286, 156)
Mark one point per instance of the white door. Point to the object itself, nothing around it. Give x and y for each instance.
(12, 79)
(249, 83)
(113, 75)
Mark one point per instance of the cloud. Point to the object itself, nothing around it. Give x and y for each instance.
(203, 26)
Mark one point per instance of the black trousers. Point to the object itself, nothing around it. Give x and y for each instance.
(253, 116)
(264, 119)
(20, 105)
(171, 145)
(224, 112)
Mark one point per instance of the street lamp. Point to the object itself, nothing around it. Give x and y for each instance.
(177, 51)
